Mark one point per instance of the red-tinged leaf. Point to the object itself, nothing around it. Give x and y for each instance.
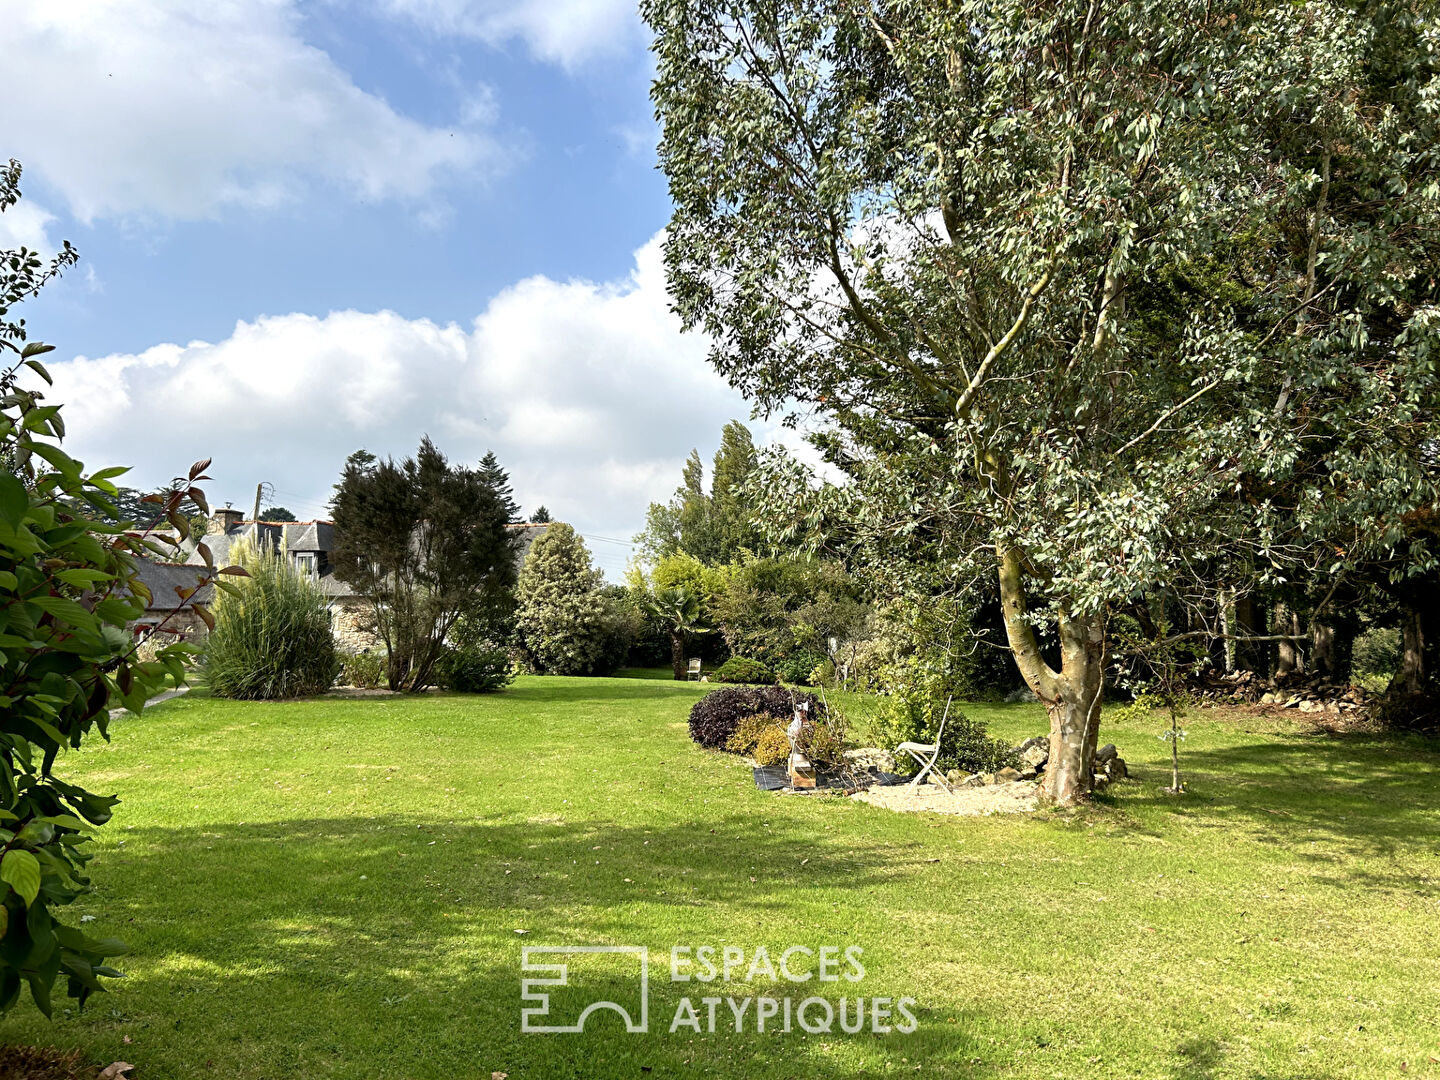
(235, 571)
(124, 678)
(205, 616)
(152, 499)
(204, 551)
(198, 498)
(184, 593)
(199, 467)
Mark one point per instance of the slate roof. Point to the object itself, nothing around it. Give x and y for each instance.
(292, 537)
(162, 579)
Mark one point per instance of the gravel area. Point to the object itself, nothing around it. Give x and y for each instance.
(1013, 798)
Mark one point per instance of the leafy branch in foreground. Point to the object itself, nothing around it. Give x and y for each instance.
(69, 588)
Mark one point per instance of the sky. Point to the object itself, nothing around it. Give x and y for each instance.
(311, 226)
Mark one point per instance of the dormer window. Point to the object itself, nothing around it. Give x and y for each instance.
(305, 563)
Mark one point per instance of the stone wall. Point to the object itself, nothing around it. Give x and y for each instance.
(353, 623)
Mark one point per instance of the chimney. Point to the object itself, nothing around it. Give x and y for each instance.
(223, 520)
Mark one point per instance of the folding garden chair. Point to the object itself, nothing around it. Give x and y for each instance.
(926, 754)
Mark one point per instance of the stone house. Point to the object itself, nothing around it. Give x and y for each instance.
(307, 544)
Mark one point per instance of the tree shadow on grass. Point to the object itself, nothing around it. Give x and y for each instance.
(384, 946)
(1353, 798)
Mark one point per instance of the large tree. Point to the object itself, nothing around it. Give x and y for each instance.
(425, 541)
(717, 526)
(498, 479)
(568, 621)
(1095, 294)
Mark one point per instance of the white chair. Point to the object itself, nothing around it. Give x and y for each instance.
(692, 670)
(931, 751)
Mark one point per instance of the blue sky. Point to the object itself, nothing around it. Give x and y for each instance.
(312, 225)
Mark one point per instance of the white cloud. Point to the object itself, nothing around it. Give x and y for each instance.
(176, 109)
(566, 32)
(588, 393)
(25, 225)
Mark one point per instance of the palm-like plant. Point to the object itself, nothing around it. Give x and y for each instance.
(677, 609)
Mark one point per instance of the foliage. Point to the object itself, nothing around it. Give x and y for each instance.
(366, 671)
(915, 701)
(773, 608)
(475, 669)
(803, 668)
(568, 622)
(676, 611)
(272, 636)
(1377, 654)
(716, 716)
(713, 527)
(763, 737)
(69, 587)
(276, 513)
(425, 542)
(493, 474)
(541, 516)
(741, 669)
(1082, 290)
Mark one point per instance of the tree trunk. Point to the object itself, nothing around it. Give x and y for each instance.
(1323, 651)
(1250, 622)
(1071, 695)
(677, 654)
(1288, 656)
(1411, 677)
(1227, 628)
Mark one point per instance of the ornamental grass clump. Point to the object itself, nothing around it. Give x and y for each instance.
(272, 639)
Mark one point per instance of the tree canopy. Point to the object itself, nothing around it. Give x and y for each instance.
(425, 541)
(1101, 301)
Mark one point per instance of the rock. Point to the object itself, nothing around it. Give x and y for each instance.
(1308, 706)
(1036, 756)
(1268, 699)
(1291, 702)
(1101, 782)
(934, 778)
(1007, 776)
(1116, 769)
(1015, 697)
(986, 778)
(1106, 752)
(956, 776)
(973, 780)
(1029, 774)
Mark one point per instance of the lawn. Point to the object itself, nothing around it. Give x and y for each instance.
(334, 888)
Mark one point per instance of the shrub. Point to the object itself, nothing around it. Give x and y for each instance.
(762, 736)
(474, 669)
(801, 667)
(717, 716)
(913, 706)
(363, 670)
(1377, 655)
(741, 669)
(272, 636)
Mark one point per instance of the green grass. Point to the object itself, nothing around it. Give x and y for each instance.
(333, 888)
